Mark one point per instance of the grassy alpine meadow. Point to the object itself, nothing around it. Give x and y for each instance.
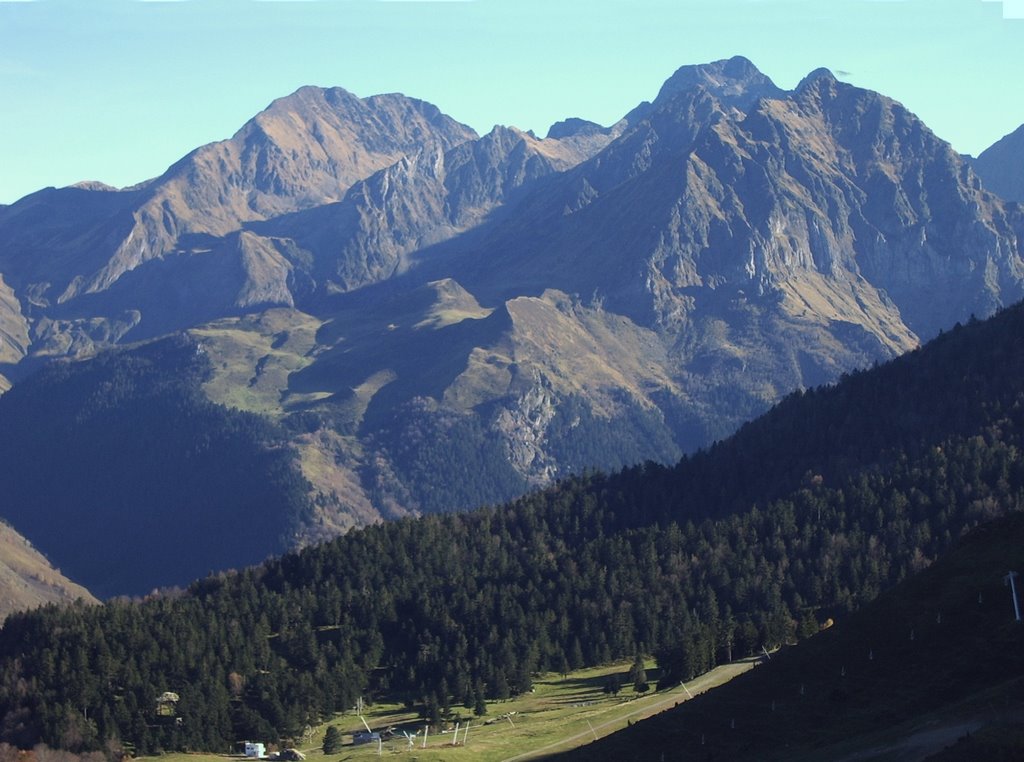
(561, 713)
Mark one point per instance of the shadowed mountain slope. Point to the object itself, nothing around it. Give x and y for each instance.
(131, 480)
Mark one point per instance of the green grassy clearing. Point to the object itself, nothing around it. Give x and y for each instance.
(561, 713)
(256, 354)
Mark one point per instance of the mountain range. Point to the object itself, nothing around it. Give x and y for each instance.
(437, 320)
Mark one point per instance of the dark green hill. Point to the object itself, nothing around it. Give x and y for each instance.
(146, 482)
(937, 658)
(834, 497)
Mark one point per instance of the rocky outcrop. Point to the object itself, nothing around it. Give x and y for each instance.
(523, 425)
(423, 199)
(734, 82)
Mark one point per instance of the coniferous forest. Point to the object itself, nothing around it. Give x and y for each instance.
(807, 513)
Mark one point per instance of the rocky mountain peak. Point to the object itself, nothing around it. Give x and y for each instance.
(505, 136)
(310, 96)
(820, 77)
(820, 88)
(734, 81)
(574, 126)
(309, 147)
(304, 150)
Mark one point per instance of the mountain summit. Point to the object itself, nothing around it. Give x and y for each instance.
(304, 150)
(734, 81)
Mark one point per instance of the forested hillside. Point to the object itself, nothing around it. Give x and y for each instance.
(936, 660)
(125, 455)
(807, 513)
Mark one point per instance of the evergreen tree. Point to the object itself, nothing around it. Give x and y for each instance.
(808, 625)
(480, 704)
(332, 740)
(637, 673)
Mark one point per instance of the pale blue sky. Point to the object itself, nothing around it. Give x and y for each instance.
(116, 90)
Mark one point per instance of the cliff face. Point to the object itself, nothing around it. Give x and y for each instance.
(423, 199)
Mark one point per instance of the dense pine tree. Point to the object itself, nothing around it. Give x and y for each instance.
(332, 740)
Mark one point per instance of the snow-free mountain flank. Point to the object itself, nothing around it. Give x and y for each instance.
(1001, 166)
